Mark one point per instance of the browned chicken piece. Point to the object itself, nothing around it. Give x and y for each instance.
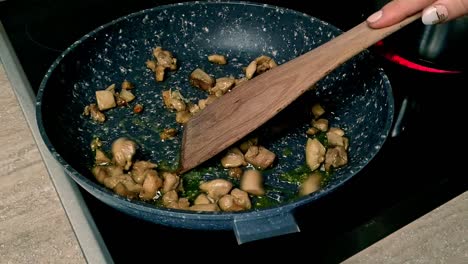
(252, 182)
(164, 58)
(123, 185)
(126, 96)
(335, 139)
(233, 159)
(227, 203)
(312, 131)
(139, 170)
(126, 85)
(218, 59)
(183, 117)
(216, 188)
(103, 172)
(241, 198)
(264, 63)
(336, 157)
(317, 110)
(201, 79)
(260, 157)
(311, 184)
(173, 100)
(96, 115)
(122, 190)
(203, 199)
(150, 186)
(123, 150)
(204, 208)
(315, 153)
(166, 95)
(168, 133)
(321, 124)
(105, 100)
(244, 146)
(111, 88)
(100, 173)
(223, 85)
(171, 200)
(340, 132)
(251, 70)
(171, 181)
(235, 173)
(101, 158)
(119, 101)
(151, 64)
(159, 73)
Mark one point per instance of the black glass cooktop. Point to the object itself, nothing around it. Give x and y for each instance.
(417, 169)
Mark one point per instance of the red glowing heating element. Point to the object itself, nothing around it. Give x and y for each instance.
(409, 64)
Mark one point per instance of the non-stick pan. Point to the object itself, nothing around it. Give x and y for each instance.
(357, 97)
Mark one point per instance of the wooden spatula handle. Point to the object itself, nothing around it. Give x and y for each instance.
(247, 107)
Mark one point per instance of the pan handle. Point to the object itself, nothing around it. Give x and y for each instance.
(251, 229)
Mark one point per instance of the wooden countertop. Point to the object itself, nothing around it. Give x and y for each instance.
(34, 227)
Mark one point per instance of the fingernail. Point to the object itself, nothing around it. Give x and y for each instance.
(434, 14)
(374, 17)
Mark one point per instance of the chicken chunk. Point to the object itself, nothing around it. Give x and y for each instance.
(201, 79)
(311, 184)
(234, 158)
(123, 150)
(227, 203)
(321, 124)
(165, 59)
(151, 185)
(223, 85)
(171, 200)
(204, 208)
(218, 59)
(216, 188)
(252, 182)
(105, 100)
(139, 170)
(336, 157)
(103, 172)
(203, 199)
(93, 111)
(315, 153)
(171, 181)
(260, 157)
(317, 110)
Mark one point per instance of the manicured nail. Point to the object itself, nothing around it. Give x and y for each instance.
(434, 15)
(374, 17)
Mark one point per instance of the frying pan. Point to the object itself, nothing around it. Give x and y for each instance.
(357, 95)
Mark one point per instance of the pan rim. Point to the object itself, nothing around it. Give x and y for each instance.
(185, 214)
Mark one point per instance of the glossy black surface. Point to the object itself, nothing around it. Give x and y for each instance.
(413, 173)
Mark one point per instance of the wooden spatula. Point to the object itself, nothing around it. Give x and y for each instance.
(244, 109)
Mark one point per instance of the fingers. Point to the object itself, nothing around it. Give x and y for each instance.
(395, 11)
(444, 10)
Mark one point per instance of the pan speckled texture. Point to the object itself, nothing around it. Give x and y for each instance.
(357, 95)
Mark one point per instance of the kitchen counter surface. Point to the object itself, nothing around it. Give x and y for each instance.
(34, 227)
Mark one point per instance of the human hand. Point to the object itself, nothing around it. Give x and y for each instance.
(435, 11)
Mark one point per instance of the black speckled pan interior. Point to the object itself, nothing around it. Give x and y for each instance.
(357, 96)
